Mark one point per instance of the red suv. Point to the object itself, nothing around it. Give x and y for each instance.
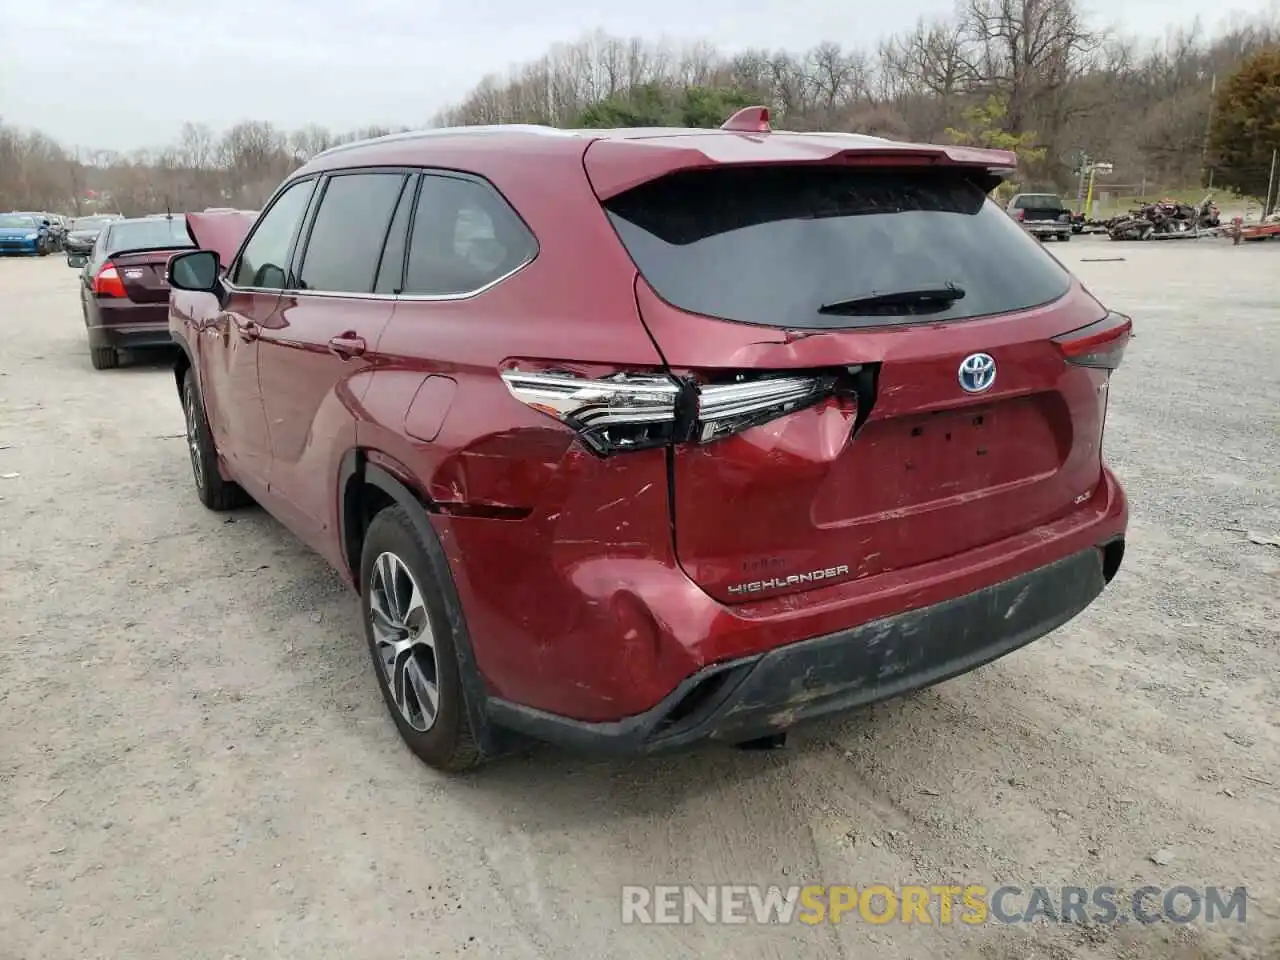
(633, 438)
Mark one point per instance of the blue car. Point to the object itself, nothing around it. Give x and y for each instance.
(23, 233)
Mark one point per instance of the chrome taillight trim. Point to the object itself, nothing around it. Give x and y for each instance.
(721, 400)
(624, 398)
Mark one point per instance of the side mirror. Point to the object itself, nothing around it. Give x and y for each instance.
(77, 260)
(44, 223)
(196, 271)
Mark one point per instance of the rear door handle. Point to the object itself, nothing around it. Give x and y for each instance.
(347, 345)
(248, 331)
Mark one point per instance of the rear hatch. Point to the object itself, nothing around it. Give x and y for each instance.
(939, 416)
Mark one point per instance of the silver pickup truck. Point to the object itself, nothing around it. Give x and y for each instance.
(1042, 215)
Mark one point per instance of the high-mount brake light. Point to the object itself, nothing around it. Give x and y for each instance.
(1099, 345)
(108, 283)
(635, 411)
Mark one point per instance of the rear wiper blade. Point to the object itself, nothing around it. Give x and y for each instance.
(924, 299)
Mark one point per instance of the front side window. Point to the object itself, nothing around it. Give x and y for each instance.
(465, 236)
(264, 263)
(349, 230)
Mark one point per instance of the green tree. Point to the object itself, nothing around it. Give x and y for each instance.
(983, 126)
(1245, 129)
(655, 105)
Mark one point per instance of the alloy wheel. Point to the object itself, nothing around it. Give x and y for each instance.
(404, 641)
(193, 438)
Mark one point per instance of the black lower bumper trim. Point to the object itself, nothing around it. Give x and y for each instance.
(761, 695)
(130, 339)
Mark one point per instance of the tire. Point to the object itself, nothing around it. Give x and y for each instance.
(104, 358)
(214, 492)
(1064, 237)
(419, 651)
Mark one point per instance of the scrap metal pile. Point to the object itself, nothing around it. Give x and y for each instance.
(1165, 220)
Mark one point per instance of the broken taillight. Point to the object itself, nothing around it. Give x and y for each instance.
(634, 411)
(1100, 345)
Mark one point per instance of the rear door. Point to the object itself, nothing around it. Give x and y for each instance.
(316, 348)
(902, 323)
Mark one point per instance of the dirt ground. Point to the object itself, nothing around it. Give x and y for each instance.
(195, 761)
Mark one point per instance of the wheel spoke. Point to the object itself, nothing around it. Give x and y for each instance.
(387, 572)
(403, 641)
(424, 692)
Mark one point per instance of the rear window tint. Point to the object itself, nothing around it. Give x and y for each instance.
(161, 232)
(1038, 201)
(770, 246)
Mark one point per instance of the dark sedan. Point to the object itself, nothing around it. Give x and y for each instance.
(82, 234)
(124, 291)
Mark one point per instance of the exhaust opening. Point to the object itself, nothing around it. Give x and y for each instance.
(701, 700)
(1112, 555)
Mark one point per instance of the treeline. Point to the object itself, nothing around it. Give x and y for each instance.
(1033, 75)
(1058, 85)
(239, 167)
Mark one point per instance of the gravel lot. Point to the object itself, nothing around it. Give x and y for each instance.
(195, 761)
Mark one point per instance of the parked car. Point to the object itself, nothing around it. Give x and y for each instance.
(1042, 215)
(54, 223)
(24, 233)
(124, 292)
(82, 233)
(630, 439)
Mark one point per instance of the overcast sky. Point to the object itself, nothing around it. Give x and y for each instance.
(120, 74)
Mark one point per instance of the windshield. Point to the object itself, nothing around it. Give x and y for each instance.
(89, 223)
(128, 235)
(773, 245)
(11, 220)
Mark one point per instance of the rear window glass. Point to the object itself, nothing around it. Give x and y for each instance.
(158, 233)
(772, 246)
(1038, 201)
(89, 223)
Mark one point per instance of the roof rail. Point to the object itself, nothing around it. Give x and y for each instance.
(410, 135)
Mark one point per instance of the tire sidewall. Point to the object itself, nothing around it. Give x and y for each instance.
(393, 530)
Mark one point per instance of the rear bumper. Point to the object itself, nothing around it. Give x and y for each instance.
(755, 696)
(128, 325)
(1052, 227)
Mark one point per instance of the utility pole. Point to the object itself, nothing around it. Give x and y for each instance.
(1208, 126)
(1271, 182)
(1085, 163)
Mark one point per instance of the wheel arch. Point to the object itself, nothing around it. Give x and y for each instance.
(365, 487)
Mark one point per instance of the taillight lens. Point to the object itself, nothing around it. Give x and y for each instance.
(635, 411)
(108, 283)
(1019, 214)
(1099, 345)
(727, 408)
(627, 411)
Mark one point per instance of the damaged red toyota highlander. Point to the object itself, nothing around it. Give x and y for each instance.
(632, 438)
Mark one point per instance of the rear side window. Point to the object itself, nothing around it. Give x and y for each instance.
(465, 237)
(773, 245)
(264, 262)
(349, 230)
